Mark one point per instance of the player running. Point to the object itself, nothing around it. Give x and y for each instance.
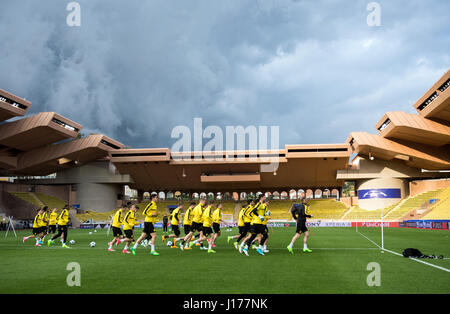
(216, 218)
(206, 228)
(175, 221)
(300, 212)
(63, 220)
(187, 222)
(197, 222)
(258, 226)
(52, 219)
(44, 224)
(116, 229)
(151, 217)
(128, 226)
(241, 227)
(36, 228)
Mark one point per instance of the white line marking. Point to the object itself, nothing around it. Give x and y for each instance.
(414, 259)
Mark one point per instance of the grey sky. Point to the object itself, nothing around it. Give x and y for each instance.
(136, 69)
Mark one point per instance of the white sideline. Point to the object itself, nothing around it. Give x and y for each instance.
(411, 258)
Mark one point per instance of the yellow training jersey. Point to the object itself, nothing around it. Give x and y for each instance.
(248, 216)
(207, 217)
(175, 217)
(130, 220)
(188, 217)
(259, 210)
(44, 220)
(217, 216)
(53, 218)
(241, 221)
(198, 214)
(118, 218)
(37, 221)
(266, 215)
(149, 211)
(63, 218)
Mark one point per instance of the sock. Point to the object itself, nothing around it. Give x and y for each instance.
(264, 247)
(209, 246)
(195, 241)
(291, 245)
(135, 246)
(153, 247)
(126, 247)
(305, 246)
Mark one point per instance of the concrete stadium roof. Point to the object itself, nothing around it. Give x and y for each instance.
(435, 103)
(414, 128)
(49, 159)
(298, 166)
(413, 154)
(38, 130)
(12, 106)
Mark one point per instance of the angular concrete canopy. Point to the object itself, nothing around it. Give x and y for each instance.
(12, 106)
(414, 128)
(435, 103)
(38, 130)
(413, 154)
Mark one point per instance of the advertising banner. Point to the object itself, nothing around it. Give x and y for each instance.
(379, 193)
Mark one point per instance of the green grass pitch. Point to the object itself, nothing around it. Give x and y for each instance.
(338, 264)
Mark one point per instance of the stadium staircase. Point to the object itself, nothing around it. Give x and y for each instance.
(440, 209)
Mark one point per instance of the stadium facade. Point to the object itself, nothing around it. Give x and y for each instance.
(410, 152)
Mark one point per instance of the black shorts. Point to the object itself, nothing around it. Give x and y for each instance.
(52, 228)
(36, 231)
(117, 232)
(243, 230)
(176, 230)
(216, 227)
(62, 229)
(207, 230)
(266, 230)
(43, 229)
(258, 229)
(301, 227)
(187, 229)
(196, 226)
(129, 234)
(148, 228)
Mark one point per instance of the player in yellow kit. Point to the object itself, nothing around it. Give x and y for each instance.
(52, 220)
(206, 230)
(36, 228)
(44, 224)
(63, 220)
(187, 223)
(129, 221)
(175, 222)
(243, 223)
(116, 229)
(263, 244)
(197, 222)
(216, 218)
(258, 227)
(151, 217)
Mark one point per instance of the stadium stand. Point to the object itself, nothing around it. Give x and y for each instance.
(409, 204)
(51, 201)
(28, 197)
(440, 210)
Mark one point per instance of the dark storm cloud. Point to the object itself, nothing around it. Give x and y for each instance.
(136, 69)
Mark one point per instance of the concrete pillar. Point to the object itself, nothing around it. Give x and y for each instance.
(101, 197)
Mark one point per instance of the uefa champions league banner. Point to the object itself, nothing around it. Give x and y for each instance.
(379, 193)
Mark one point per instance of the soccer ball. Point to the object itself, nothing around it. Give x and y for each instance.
(95, 230)
(90, 232)
(72, 242)
(92, 244)
(169, 243)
